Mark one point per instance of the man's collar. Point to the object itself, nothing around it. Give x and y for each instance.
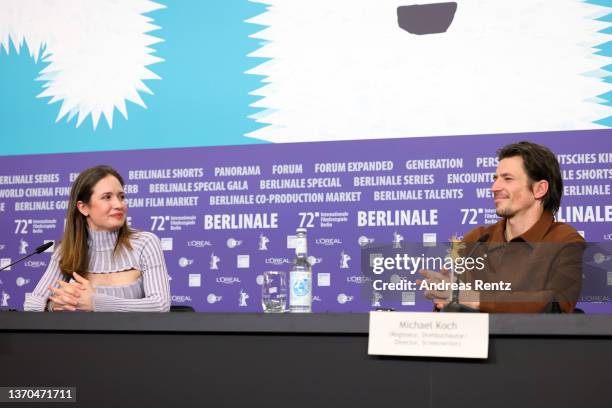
(537, 232)
(533, 235)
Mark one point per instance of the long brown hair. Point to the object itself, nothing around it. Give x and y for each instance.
(73, 251)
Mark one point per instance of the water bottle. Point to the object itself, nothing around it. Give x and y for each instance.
(300, 277)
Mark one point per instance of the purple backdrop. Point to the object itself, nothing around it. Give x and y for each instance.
(194, 199)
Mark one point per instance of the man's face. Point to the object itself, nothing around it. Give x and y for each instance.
(512, 190)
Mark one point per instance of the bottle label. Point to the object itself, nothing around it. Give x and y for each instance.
(301, 287)
(300, 246)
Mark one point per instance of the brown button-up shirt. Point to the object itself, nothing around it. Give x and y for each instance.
(543, 265)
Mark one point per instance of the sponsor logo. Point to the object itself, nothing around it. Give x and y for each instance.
(316, 299)
(313, 261)
(606, 237)
(301, 286)
(343, 298)
(324, 279)
(184, 262)
(582, 234)
(5, 262)
(364, 241)
(597, 299)
(277, 261)
(167, 244)
(397, 240)
(396, 278)
(328, 241)
(227, 280)
(214, 262)
(243, 261)
(233, 243)
(408, 298)
(4, 298)
(263, 242)
(212, 298)
(34, 264)
(23, 247)
(358, 279)
(600, 258)
(344, 260)
(2, 246)
(376, 298)
(198, 244)
(242, 298)
(180, 299)
(195, 280)
(430, 239)
(291, 241)
(20, 281)
(374, 257)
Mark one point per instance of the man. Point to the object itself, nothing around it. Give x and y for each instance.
(541, 259)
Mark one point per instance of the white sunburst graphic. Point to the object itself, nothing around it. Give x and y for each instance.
(501, 67)
(97, 51)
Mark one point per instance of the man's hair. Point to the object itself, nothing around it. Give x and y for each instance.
(540, 163)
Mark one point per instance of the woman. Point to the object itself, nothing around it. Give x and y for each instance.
(101, 264)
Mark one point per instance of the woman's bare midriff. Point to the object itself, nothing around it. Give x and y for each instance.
(113, 278)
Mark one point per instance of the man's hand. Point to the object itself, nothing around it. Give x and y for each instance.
(432, 279)
(441, 298)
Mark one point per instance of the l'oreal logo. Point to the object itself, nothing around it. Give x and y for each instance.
(328, 241)
(198, 244)
(34, 264)
(277, 261)
(181, 299)
(358, 279)
(228, 280)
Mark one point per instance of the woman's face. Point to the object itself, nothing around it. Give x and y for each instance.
(107, 208)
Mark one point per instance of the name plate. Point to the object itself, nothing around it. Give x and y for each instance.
(462, 335)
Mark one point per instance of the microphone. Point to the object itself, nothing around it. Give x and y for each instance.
(44, 247)
(38, 250)
(454, 306)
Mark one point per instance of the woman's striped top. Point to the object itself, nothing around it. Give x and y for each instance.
(150, 293)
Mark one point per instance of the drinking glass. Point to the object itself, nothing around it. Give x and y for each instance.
(274, 292)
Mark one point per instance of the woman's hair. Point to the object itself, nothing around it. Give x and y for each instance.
(73, 251)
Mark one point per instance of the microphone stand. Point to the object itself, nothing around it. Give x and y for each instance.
(38, 250)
